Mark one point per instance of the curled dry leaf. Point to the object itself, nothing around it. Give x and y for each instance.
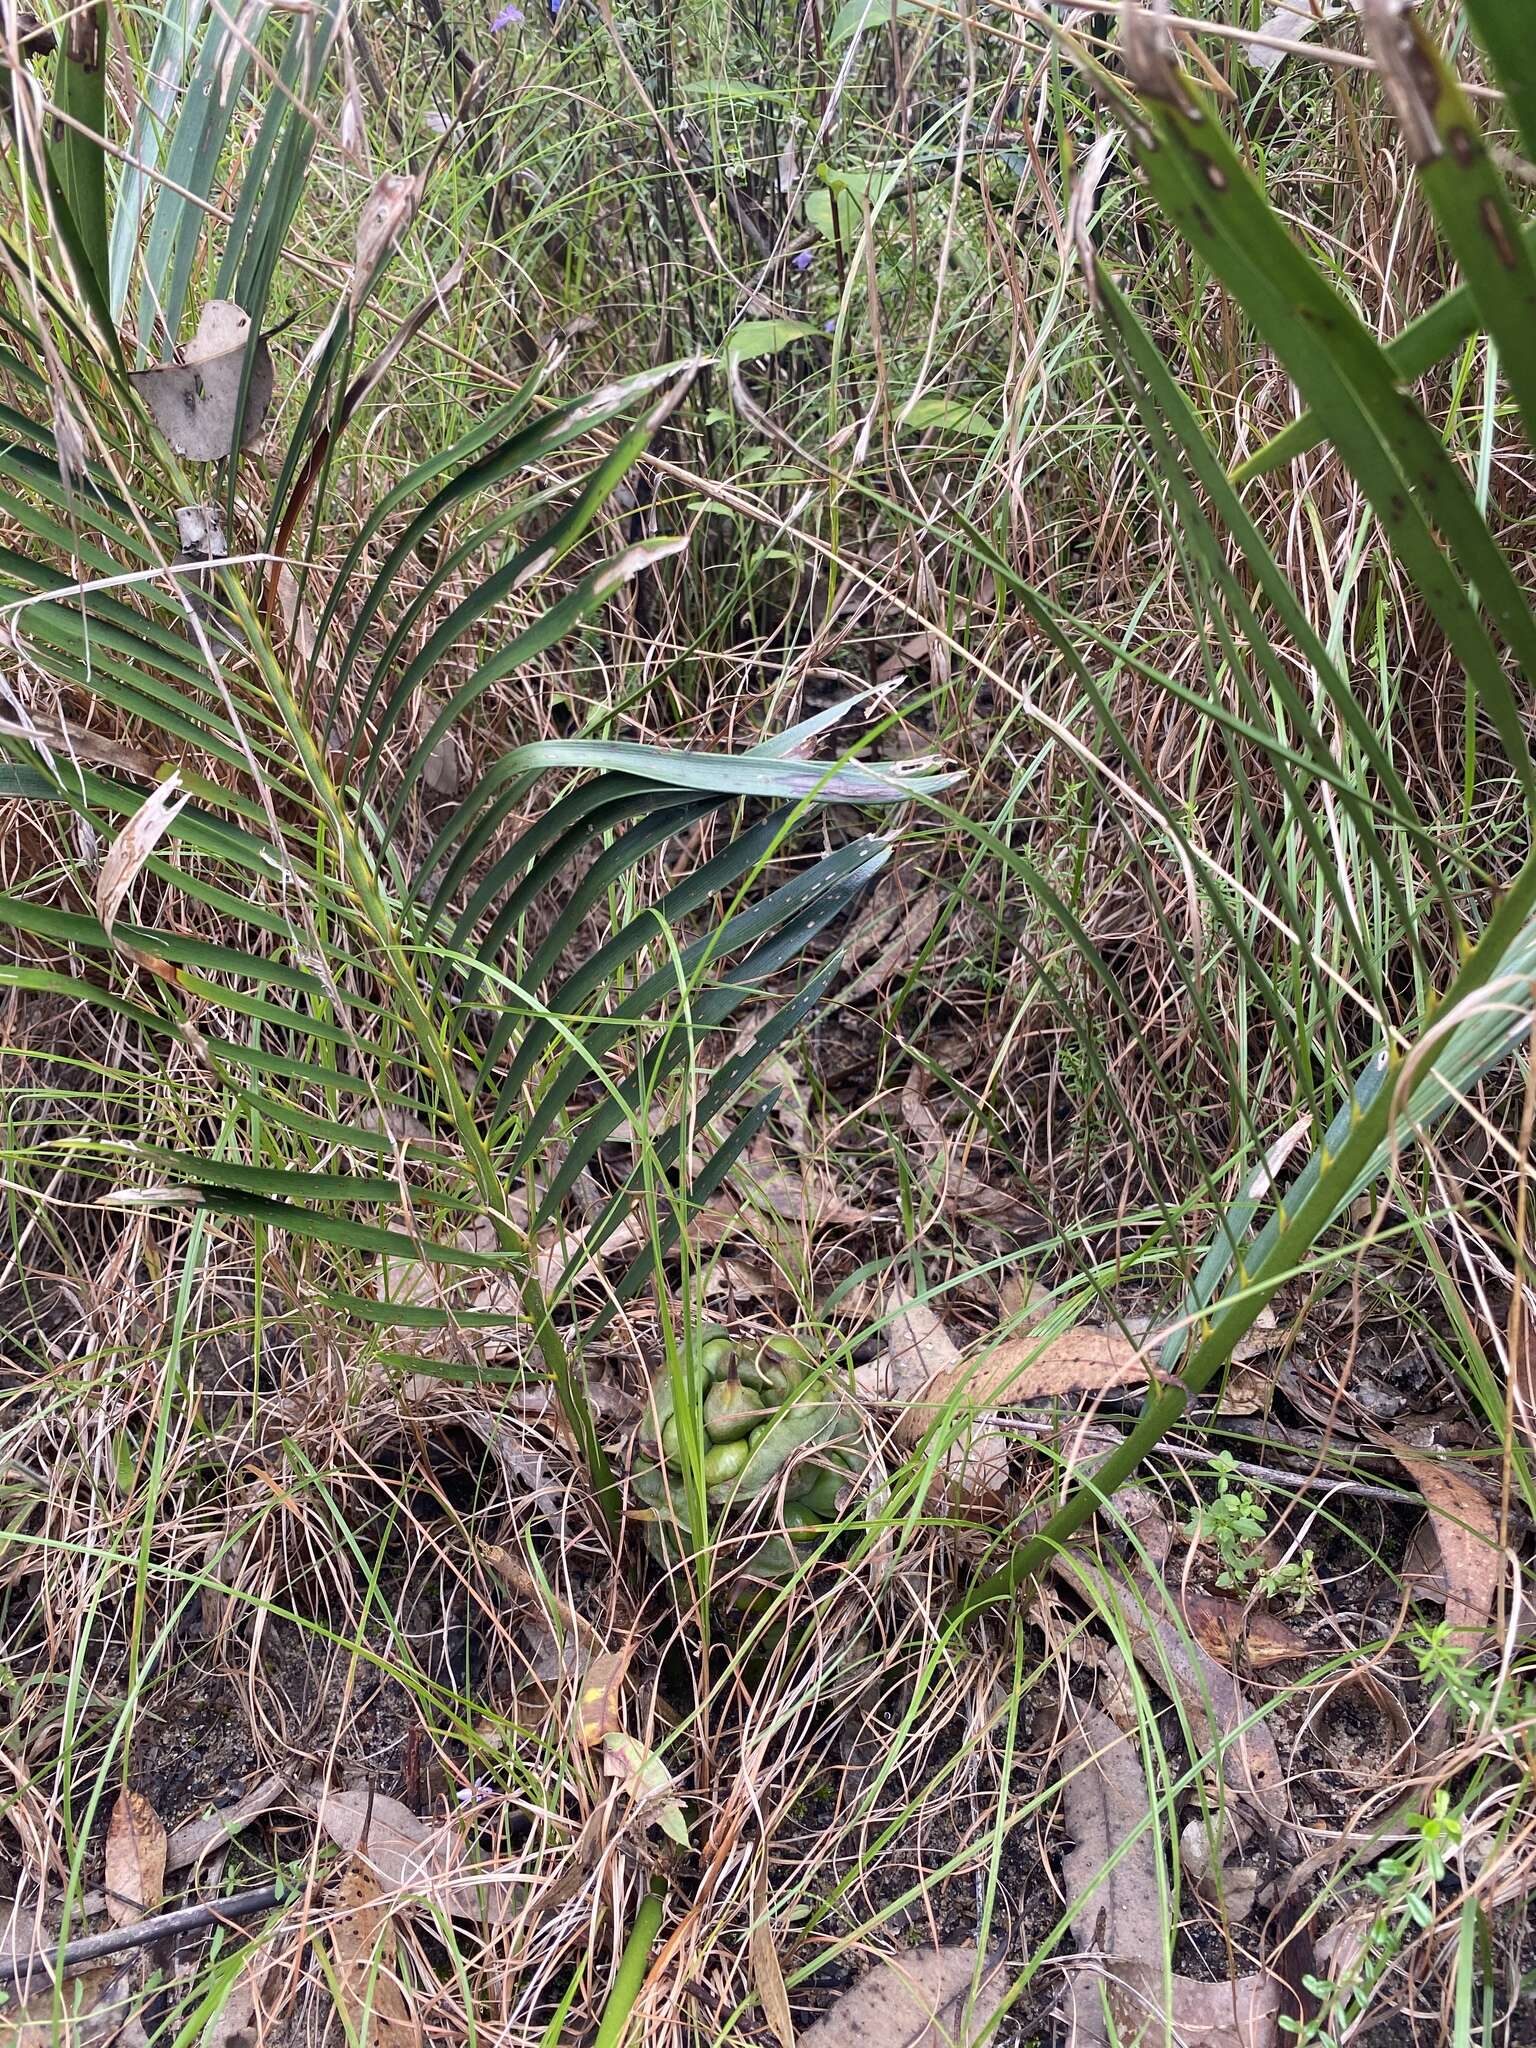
(1230, 1629)
(1085, 1361)
(195, 402)
(368, 1993)
(133, 846)
(387, 212)
(920, 1999)
(648, 1782)
(135, 1860)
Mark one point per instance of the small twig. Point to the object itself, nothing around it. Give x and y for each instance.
(142, 1934)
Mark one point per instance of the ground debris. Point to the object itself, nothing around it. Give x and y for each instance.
(925, 1998)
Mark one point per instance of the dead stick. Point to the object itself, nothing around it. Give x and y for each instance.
(90, 1947)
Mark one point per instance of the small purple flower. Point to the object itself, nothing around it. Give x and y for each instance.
(804, 260)
(509, 17)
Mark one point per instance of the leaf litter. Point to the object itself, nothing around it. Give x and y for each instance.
(368, 1993)
(938, 1997)
(196, 402)
(1119, 1910)
(135, 1860)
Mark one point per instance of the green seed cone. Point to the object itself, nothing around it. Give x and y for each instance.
(769, 1427)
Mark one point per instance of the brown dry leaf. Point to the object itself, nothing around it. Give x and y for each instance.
(133, 846)
(1085, 1360)
(1213, 1704)
(135, 1860)
(806, 1195)
(908, 932)
(194, 402)
(919, 1356)
(254, 2003)
(1244, 2014)
(368, 1993)
(766, 1973)
(918, 1349)
(1080, 1361)
(194, 1839)
(405, 1854)
(396, 1844)
(1104, 1801)
(961, 1190)
(1123, 1917)
(1467, 1532)
(601, 1688)
(921, 1999)
(1230, 1629)
(88, 2012)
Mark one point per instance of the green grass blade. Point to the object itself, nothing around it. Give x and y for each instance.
(1394, 455)
(1503, 27)
(76, 157)
(174, 48)
(1467, 195)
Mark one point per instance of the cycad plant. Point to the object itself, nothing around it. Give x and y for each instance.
(404, 1048)
(1374, 861)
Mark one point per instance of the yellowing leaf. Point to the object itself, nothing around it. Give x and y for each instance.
(647, 1780)
(598, 1708)
(135, 1860)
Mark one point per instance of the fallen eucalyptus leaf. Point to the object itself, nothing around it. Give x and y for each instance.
(405, 1854)
(367, 1991)
(920, 1999)
(135, 1860)
(195, 402)
(767, 1974)
(1466, 1532)
(1117, 1909)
